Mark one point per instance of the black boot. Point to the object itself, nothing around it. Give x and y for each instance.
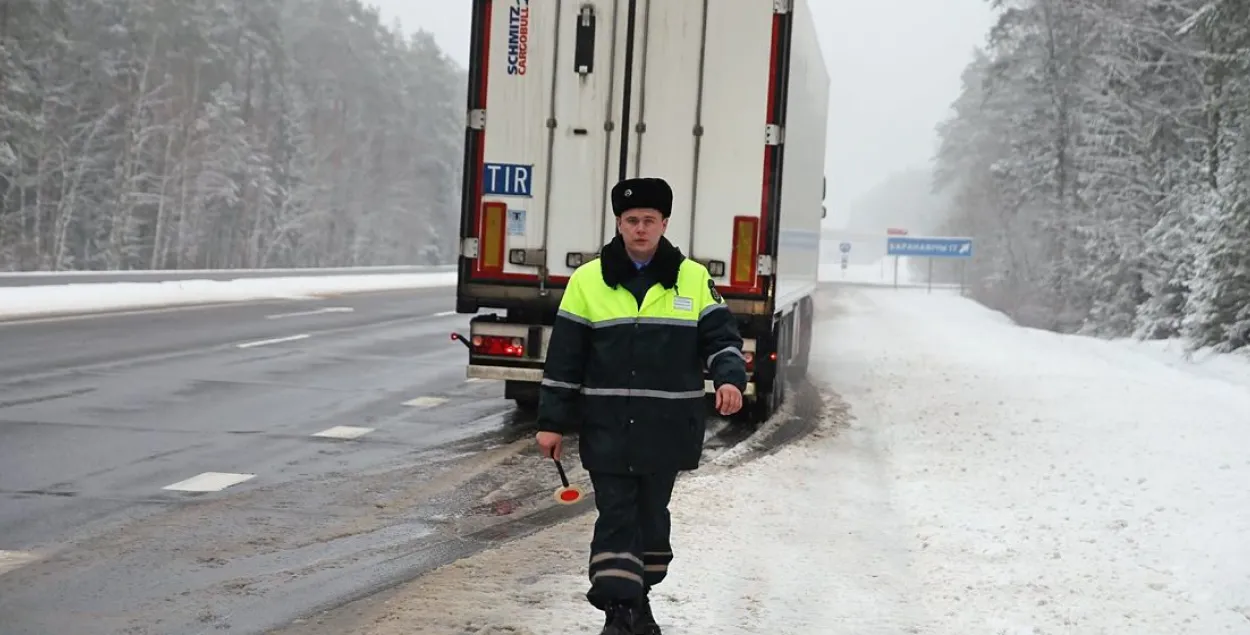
(644, 620)
(620, 618)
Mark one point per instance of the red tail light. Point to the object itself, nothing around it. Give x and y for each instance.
(498, 345)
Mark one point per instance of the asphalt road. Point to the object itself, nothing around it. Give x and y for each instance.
(101, 416)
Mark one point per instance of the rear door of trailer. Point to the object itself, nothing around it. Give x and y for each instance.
(580, 94)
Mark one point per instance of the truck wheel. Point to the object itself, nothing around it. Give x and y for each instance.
(767, 403)
(761, 408)
(770, 396)
(525, 394)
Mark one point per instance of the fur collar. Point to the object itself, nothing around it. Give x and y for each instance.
(619, 268)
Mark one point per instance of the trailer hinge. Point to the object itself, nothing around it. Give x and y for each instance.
(468, 248)
(773, 134)
(783, 6)
(477, 119)
(765, 266)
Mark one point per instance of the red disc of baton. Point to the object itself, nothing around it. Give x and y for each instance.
(568, 495)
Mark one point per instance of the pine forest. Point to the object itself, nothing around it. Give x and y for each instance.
(177, 134)
(1099, 156)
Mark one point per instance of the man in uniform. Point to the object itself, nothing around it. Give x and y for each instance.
(635, 330)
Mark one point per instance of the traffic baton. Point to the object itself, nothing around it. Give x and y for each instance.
(566, 495)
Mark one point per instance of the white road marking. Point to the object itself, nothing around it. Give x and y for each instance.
(276, 340)
(425, 402)
(10, 560)
(209, 482)
(473, 380)
(329, 309)
(344, 432)
(444, 314)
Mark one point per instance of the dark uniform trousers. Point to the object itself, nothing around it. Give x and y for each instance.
(630, 550)
(595, 350)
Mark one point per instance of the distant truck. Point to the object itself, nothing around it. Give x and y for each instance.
(725, 99)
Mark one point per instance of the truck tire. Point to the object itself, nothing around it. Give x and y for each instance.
(768, 402)
(772, 395)
(524, 393)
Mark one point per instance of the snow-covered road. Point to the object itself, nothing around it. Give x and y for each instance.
(89, 297)
(979, 478)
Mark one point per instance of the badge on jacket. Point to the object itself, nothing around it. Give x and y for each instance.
(683, 304)
(711, 286)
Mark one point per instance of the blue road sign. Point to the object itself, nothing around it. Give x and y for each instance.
(507, 179)
(932, 247)
(845, 247)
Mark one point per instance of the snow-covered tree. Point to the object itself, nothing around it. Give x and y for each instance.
(220, 133)
(1099, 156)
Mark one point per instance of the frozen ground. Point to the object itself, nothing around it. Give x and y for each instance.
(18, 302)
(881, 272)
(987, 479)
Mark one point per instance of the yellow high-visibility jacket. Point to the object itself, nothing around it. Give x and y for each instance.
(626, 359)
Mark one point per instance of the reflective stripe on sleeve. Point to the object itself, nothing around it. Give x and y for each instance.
(707, 310)
(727, 349)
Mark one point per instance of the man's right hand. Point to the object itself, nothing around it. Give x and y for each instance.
(549, 443)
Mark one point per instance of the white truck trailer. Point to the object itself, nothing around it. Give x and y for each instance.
(725, 99)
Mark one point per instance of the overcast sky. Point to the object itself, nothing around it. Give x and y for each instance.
(894, 64)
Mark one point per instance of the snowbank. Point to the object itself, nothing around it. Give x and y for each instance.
(1234, 367)
(18, 302)
(992, 479)
(880, 272)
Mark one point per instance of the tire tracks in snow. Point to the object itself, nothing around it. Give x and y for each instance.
(509, 496)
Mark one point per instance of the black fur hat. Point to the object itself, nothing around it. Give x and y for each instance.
(650, 193)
